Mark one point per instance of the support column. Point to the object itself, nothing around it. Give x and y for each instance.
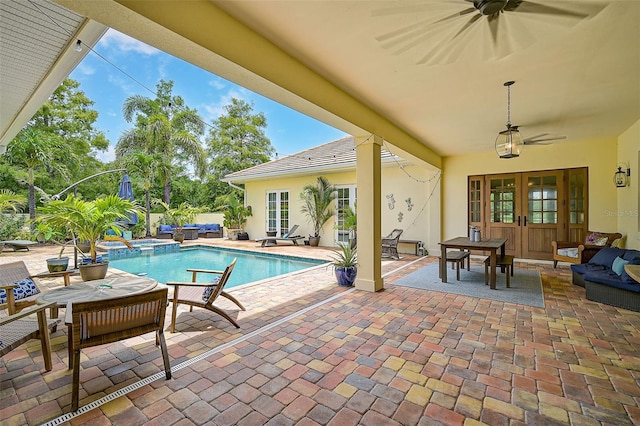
(368, 171)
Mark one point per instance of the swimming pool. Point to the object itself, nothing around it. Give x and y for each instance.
(117, 250)
(172, 266)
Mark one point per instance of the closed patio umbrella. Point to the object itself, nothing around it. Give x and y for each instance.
(126, 193)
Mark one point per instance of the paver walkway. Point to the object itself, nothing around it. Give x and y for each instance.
(400, 356)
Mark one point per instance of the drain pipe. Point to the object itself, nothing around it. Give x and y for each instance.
(244, 192)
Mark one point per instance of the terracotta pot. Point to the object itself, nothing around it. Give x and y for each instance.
(93, 271)
(179, 237)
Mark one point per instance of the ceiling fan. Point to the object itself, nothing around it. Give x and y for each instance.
(454, 28)
(509, 141)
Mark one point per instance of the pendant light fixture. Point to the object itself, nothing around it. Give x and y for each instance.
(509, 142)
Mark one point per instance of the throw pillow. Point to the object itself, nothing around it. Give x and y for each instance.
(24, 289)
(206, 294)
(618, 265)
(591, 238)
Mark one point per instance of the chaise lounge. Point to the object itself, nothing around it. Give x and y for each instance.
(286, 237)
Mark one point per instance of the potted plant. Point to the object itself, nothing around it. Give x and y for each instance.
(317, 204)
(46, 233)
(345, 264)
(235, 215)
(178, 216)
(88, 221)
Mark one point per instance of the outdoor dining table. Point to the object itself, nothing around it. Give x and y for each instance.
(492, 245)
(93, 290)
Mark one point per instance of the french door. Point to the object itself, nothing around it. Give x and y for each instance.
(530, 209)
(277, 212)
(345, 197)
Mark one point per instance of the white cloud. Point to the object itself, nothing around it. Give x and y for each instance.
(213, 111)
(108, 155)
(124, 43)
(218, 83)
(85, 69)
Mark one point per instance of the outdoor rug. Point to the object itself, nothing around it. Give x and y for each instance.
(526, 286)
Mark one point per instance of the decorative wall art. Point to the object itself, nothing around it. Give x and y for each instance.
(409, 204)
(391, 202)
(400, 217)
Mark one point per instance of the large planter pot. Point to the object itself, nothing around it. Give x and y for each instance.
(314, 241)
(179, 237)
(232, 234)
(346, 276)
(56, 264)
(93, 271)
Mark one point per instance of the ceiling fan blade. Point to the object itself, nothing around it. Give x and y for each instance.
(466, 26)
(552, 138)
(539, 135)
(528, 143)
(493, 26)
(455, 15)
(542, 9)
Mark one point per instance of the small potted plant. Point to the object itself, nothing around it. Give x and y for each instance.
(349, 223)
(345, 264)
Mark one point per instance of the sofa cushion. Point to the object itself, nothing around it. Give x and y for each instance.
(631, 254)
(166, 228)
(568, 252)
(606, 256)
(610, 278)
(212, 227)
(583, 268)
(190, 225)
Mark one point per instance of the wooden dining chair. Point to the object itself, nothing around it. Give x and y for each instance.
(18, 328)
(203, 295)
(110, 320)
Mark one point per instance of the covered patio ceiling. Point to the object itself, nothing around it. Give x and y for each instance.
(426, 75)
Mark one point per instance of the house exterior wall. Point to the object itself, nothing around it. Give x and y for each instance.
(600, 156)
(395, 182)
(627, 208)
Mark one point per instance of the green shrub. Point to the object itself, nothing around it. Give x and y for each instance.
(11, 227)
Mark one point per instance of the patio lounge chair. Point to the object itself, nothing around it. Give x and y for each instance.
(390, 244)
(17, 245)
(289, 236)
(17, 288)
(16, 329)
(202, 295)
(110, 320)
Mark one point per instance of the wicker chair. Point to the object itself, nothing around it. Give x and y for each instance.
(202, 295)
(17, 329)
(110, 320)
(390, 244)
(11, 273)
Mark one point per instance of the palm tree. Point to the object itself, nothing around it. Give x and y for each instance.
(165, 127)
(33, 149)
(9, 200)
(317, 203)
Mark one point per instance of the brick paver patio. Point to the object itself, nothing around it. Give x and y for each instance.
(398, 357)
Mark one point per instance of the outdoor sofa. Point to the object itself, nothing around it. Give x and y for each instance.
(206, 230)
(605, 279)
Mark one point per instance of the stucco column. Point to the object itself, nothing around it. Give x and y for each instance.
(368, 167)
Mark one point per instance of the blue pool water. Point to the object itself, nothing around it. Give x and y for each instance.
(250, 267)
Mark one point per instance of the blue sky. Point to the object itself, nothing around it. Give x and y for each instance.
(288, 130)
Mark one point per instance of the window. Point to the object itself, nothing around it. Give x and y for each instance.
(278, 212)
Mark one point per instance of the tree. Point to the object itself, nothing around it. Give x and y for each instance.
(317, 203)
(164, 126)
(9, 200)
(236, 142)
(32, 149)
(62, 137)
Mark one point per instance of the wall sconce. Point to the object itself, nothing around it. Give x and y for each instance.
(78, 46)
(621, 177)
